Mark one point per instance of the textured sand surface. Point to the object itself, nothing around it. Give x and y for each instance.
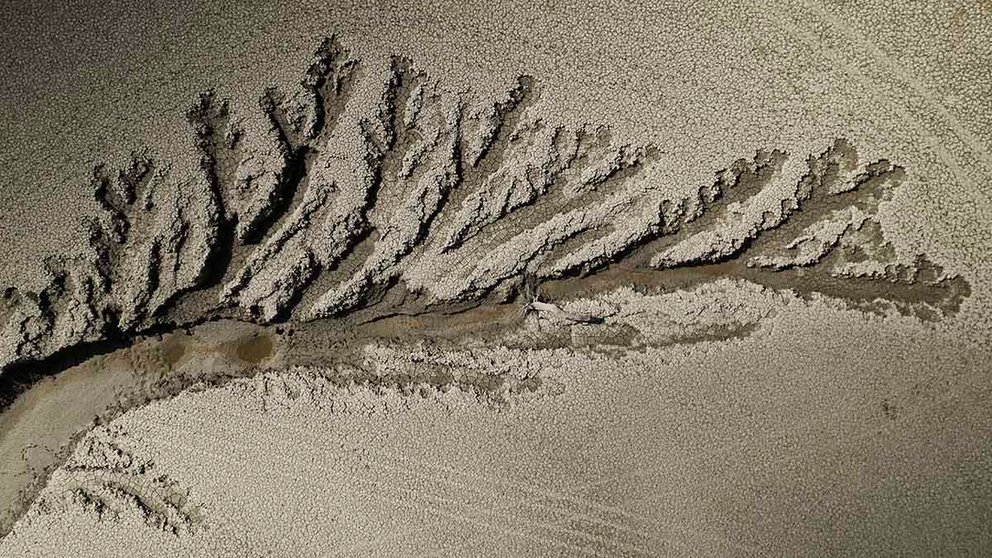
(444, 279)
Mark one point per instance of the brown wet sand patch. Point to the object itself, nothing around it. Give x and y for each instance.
(254, 349)
(39, 429)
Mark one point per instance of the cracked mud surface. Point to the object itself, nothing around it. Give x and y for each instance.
(315, 286)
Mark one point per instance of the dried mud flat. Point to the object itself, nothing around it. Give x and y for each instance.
(378, 312)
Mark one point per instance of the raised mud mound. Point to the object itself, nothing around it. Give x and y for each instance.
(396, 196)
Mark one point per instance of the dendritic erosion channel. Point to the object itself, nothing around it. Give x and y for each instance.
(375, 202)
(350, 194)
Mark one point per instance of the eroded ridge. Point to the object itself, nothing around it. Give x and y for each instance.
(111, 482)
(379, 189)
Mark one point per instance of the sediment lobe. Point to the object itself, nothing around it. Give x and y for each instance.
(378, 188)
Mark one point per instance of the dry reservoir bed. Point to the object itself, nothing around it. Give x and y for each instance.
(376, 313)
